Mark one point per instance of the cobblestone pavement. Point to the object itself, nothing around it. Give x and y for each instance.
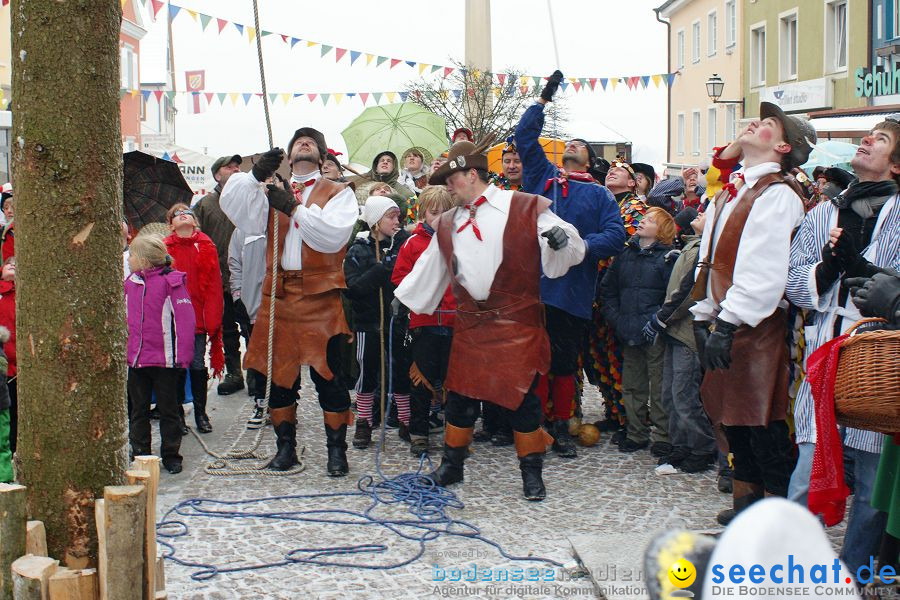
(602, 492)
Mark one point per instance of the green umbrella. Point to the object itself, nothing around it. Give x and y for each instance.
(394, 127)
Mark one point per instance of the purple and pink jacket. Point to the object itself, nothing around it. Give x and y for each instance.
(161, 319)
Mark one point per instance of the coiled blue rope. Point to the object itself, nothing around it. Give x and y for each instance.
(425, 502)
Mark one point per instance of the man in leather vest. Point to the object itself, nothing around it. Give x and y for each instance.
(491, 249)
(740, 321)
(313, 219)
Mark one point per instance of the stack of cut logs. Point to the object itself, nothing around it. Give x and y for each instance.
(128, 567)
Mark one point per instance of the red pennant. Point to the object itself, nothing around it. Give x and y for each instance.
(285, 38)
(501, 77)
(447, 71)
(633, 81)
(593, 82)
(157, 5)
(577, 86)
(158, 94)
(209, 96)
(395, 62)
(258, 94)
(222, 23)
(470, 92)
(311, 97)
(339, 54)
(364, 96)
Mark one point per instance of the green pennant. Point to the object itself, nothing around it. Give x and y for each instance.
(326, 49)
(264, 33)
(436, 68)
(537, 80)
(380, 60)
(170, 96)
(221, 96)
(377, 96)
(325, 97)
(583, 81)
(272, 98)
(204, 21)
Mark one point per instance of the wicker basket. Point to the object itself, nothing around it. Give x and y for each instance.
(867, 387)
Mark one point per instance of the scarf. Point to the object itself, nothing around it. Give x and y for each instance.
(865, 197)
(827, 490)
(409, 179)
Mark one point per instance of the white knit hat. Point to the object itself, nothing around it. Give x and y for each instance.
(375, 208)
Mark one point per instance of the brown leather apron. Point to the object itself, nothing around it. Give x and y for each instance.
(501, 343)
(308, 308)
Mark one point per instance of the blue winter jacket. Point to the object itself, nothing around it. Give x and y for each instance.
(590, 207)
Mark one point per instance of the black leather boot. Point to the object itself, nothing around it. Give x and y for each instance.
(451, 469)
(199, 378)
(336, 442)
(532, 466)
(563, 444)
(284, 421)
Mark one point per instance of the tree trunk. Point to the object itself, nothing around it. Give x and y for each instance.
(67, 172)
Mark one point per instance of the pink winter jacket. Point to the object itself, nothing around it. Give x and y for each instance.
(161, 319)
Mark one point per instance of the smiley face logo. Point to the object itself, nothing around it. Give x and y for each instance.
(682, 573)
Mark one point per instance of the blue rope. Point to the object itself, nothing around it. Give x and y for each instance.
(425, 502)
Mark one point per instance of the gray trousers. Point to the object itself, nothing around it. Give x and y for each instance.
(689, 427)
(642, 368)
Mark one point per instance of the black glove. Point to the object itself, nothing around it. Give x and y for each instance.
(652, 329)
(281, 197)
(878, 296)
(552, 85)
(701, 334)
(717, 353)
(848, 257)
(556, 237)
(829, 270)
(267, 164)
(241, 314)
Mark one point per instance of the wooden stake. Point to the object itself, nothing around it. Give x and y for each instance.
(12, 533)
(137, 477)
(126, 515)
(36, 539)
(100, 520)
(160, 574)
(31, 575)
(68, 584)
(163, 595)
(149, 464)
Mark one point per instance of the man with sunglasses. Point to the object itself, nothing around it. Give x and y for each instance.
(740, 321)
(568, 300)
(854, 235)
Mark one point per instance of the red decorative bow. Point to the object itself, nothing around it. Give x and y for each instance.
(733, 186)
(563, 182)
(472, 208)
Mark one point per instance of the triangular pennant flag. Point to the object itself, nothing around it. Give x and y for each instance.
(671, 78)
(310, 44)
(537, 81)
(170, 96)
(369, 58)
(395, 62)
(311, 97)
(339, 54)
(247, 98)
(572, 80)
(325, 98)
(457, 94)
(656, 79)
(204, 21)
(613, 81)
(350, 94)
(298, 95)
(354, 54)
(251, 33)
(338, 97)
(273, 98)
(470, 92)
(582, 81)
(285, 39)
(593, 82)
(157, 5)
(221, 96)
(465, 72)
(258, 94)
(404, 96)
(603, 82)
(422, 67)
(501, 77)
(240, 28)
(134, 93)
(496, 91)
(209, 97)
(391, 96)
(294, 41)
(645, 79)
(633, 81)
(122, 2)
(564, 85)
(285, 98)
(364, 96)
(193, 14)
(447, 71)
(577, 86)
(146, 94)
(435, 68)
(233, 96)
(377, 97)
(220, 22)
(411, 63)
(380, 61)
(326, 49)
(263, 33)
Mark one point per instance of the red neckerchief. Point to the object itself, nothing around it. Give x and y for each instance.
(582, 176)
(732, 188)
(563, 183)
(471, 220)
(565, 176)
(298, 192)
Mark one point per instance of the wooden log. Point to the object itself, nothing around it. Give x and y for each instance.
(150, 464)
(160, 574)
(68, 584)
(126, 515)
(162, 595)
(36, 538)
(100, 520)
(12, 533)
(137, 477)
(31, 576)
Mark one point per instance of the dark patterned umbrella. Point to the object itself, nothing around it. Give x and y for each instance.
(151, 186)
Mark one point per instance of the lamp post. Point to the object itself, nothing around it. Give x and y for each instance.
(714, 87)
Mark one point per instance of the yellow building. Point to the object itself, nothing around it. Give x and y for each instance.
(704, 40)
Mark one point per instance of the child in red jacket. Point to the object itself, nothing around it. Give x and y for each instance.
(431, 334)
(8, 320)
(194, 253)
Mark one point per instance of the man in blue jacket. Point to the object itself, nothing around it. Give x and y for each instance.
(568, 300)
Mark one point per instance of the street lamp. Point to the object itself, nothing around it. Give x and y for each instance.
(714, 87)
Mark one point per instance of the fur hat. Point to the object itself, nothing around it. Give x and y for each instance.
(683, 220)
(375, 208)
(316, 135)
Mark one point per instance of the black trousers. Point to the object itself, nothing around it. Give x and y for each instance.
(368, 355)
(431, 353)
(142, 384)
(568, 335)
(231, 335)
(333, 394)
(462, 411)
(256, 381)
(763, 455)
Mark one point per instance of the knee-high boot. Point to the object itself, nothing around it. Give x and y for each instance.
(199, 378)
(530, 448)
(456, 447)
(336, 441)
(284, 421)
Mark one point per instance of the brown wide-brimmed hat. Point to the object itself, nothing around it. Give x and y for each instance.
(799, 133)
(462, 157)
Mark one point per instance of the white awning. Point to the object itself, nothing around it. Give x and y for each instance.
(848, 123)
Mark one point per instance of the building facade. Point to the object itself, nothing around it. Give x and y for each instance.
(704, 39)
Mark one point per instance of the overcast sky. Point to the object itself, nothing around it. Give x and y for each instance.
(598, 38)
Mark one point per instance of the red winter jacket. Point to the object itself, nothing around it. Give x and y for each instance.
(8, 320)
(197, 257)
(406, 259)
(8, 241)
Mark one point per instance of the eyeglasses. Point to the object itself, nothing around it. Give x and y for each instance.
(179, 213)
(577, 143)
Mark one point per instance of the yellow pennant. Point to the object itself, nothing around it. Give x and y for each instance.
(193, 14)
(134, 93)
(613, 81)
(311, 44)
(369, 58)
(251, 32)
(124, 2)
(338, 97)
(285, 98)
(422, 67)
(391, 96)
(656, 79)
(234, 98)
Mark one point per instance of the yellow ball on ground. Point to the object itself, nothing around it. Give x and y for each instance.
(588, 435)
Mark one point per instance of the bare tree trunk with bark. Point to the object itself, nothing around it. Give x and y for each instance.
(67, 173)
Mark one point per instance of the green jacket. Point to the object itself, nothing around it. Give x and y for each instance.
(214, 223)
(675, 312)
